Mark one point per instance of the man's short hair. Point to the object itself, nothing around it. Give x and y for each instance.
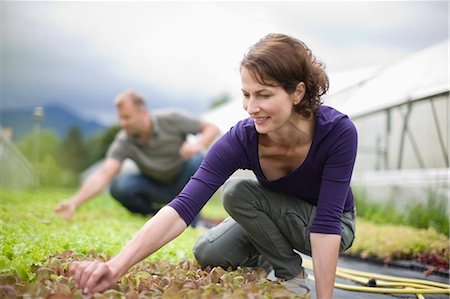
(129, 95)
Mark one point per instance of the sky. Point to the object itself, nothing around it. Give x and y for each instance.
(186, 54)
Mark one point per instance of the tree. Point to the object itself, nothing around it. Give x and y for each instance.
(99, 143)
(40, 148)
(220, 100)
(72, 154)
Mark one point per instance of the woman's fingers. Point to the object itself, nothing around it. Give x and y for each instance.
(85, 276)
(91, 276)
(101, 286)
(77, 268)
(99, 278)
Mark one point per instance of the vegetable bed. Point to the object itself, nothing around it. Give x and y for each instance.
(36, 247)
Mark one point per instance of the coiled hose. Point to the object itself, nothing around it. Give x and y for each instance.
(385, 284)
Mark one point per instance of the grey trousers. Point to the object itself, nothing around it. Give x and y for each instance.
(265, 225)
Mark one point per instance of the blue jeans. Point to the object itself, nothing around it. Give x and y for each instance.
(144, 195)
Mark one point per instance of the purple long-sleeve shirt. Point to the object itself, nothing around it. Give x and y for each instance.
(323, 179)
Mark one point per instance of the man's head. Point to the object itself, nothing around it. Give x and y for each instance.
(132, 112)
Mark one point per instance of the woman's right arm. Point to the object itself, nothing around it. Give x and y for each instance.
(94, 277)
(225, 156)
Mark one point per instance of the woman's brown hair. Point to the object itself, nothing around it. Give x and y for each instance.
(281, 60)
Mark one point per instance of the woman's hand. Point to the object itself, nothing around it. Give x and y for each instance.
(92, 277)
(97, 276)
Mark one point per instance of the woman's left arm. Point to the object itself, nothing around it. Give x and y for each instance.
(325, 252)
(326, 228)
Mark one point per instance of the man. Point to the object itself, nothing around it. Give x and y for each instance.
(157, 143)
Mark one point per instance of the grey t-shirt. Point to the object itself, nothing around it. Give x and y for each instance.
(159, 158)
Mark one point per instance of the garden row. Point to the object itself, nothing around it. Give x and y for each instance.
(36, 247)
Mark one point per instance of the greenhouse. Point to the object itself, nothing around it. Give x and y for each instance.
(17, 171)
(401, 113)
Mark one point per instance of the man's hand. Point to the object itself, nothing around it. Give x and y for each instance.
(190, 149)
(66, 209)
(92, 277)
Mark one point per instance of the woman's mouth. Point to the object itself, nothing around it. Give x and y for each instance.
(260, 120)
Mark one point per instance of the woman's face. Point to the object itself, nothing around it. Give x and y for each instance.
(270, 106)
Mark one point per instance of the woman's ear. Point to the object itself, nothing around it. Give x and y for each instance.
(299, 93)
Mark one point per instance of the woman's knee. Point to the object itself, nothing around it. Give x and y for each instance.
(203, 252)
(235, 193)
(219, 246)
(348, 230)
(208, 253)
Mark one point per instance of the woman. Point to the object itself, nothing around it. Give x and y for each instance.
(302, 154)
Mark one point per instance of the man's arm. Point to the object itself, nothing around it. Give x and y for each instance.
(325, 253)
(93, 185)
(209, 132)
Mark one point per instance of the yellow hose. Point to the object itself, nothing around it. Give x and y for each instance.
(386, 284)
(381, 283)
(393, 278)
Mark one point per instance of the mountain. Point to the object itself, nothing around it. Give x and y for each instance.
(56, 118)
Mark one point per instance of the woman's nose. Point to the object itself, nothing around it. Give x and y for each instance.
(251, 106)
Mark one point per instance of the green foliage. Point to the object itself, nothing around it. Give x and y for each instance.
(37, 145)
(59, 163)
(148, 279)
(72, 158)
(387, 241)
(30, 231)
(31, 234)
(220, 100)
(72, 154)
(49, 171)
(40, 148)
(431, 214)
(378, 213)
(98, 143)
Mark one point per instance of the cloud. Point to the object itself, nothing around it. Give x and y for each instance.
(186, 53)
(174, 44)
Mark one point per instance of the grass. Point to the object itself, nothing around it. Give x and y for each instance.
(431, 213)
(30, 232)
(389, 242)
